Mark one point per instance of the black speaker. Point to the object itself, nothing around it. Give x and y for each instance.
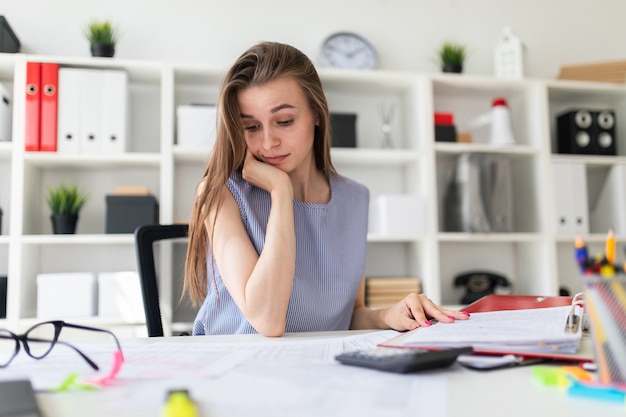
(583, 131)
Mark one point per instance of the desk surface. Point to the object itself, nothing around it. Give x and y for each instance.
(250, 375)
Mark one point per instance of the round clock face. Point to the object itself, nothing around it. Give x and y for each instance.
(348, 50)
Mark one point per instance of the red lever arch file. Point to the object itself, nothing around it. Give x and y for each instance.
(33, 106)
(49, 94)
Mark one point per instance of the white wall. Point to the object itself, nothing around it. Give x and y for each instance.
(406, 32)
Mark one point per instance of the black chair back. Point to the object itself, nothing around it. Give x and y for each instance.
(145, 237)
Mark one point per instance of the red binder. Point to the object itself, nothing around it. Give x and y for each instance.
(33, 106)
(49, 106)
(495, 302)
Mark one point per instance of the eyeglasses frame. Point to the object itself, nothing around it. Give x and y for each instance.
(58, 326)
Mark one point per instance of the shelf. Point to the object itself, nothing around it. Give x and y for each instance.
(592, 160)
(54, 160)
(489, 237)
(92, 239)
(375, 157)
(417, 166)
(375, 238)
(457, 148)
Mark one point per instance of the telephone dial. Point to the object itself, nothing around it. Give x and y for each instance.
(478, 284)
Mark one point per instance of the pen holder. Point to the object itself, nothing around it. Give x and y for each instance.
(605, 304)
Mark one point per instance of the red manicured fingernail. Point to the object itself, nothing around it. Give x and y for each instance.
(450, 317)
(465, 313)
(427, 323)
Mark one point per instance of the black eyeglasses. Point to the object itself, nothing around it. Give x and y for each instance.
(39, 340)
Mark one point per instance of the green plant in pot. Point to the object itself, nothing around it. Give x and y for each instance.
(452, 56)
(102, 37)
(65, 203)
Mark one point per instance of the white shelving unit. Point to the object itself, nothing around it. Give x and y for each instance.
(534, 258)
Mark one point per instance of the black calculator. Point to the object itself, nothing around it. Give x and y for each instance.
(402, 360)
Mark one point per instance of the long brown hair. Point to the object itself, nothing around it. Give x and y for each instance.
(262, 63)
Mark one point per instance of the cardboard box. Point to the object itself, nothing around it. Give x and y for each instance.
(66, 294)
(196, 125)
(119, 296)
(124, 213)
(397, 214)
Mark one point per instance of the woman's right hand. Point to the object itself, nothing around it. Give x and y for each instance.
(264, 175)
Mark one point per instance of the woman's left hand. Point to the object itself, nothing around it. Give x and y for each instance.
(415, 310)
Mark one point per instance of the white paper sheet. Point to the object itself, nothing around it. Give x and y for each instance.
(532, 330)
(276, 378)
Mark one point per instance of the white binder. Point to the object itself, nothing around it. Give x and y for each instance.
(90, 112)
(569, 191)
(68, 124)
(5, 113)
(609, 210)
(114, 111)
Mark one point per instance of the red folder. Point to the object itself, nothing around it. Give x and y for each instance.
(49, 94)
(495, 302)
(33, 106)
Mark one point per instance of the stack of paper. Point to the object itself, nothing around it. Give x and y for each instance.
(531, 330)
(386, 291)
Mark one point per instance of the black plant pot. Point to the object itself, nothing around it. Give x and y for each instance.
(458, 68)
(64, 224)
(98, 49)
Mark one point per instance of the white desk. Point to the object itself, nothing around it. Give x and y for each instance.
(283, 383)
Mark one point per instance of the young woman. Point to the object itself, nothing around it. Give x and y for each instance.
(277, 237)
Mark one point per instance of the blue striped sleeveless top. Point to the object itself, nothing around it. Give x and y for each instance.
(330, 260)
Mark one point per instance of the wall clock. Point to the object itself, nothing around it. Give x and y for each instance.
(348, 50)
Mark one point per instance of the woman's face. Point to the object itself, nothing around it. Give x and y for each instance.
(279, 125)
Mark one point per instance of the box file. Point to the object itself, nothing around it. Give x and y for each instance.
(68, 109)
(119, 296)
(124, 213)
(397, 214)
(90, 111)
(570, 198)
(66, 294)
(609, 211)
(196, 125)
(93, 109)
(343, 130)
(114, 111)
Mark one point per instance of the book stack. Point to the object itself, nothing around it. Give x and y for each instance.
(75, 110)
(610, 72)
(386, 291)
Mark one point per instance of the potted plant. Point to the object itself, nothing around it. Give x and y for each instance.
(451, 57)
(65, 202)
(102, 37)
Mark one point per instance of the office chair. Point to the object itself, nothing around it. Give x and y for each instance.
(145, 237)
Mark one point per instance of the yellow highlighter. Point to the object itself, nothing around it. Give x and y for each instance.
(179, 404)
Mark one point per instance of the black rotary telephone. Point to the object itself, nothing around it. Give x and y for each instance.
(478, 284)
